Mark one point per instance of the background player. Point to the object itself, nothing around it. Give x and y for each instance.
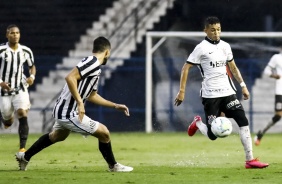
(218, 91)
(273, 70)
(69, 112)
(14, 94)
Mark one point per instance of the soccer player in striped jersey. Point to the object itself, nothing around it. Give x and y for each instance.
(14, 96)
(218, 91)
(69, 112)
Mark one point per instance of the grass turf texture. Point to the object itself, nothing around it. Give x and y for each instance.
(157, 158)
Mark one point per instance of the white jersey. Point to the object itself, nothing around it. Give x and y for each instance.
(274, 66)
(211, 58)
(89, 70)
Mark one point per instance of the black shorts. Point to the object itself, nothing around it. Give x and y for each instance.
(214, 106)
(231, 107)
(278, 102)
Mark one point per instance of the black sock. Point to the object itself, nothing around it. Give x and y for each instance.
(23, 131)
(39, 145)
(106, 150)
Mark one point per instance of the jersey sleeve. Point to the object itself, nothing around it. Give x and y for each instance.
(87, 66)
(95, 87)
(28, 54)
(195, 56)
(270, 65)
(229, 54)
(273, 61)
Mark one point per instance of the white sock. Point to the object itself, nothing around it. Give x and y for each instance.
(202, 127)
(246, 140)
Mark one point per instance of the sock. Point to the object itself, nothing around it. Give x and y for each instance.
(106, 150)
(23, 131)
(275, 119)
(40, 144)
(202, 127)
(246, 141)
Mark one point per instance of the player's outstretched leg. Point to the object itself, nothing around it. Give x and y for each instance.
(258, 137)
(192, 129)
(24, 157)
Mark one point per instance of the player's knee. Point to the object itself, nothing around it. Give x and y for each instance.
(7, 116)
(55, 139)
(7, 120)
(56, 136)
(103, 134)
(276, 118)
(240, 118)
(211, 136)
(106, 135)
(243, 122)
(21, 113)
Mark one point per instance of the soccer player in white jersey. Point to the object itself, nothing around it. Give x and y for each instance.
(69, 112)
(273, 70)
(218, 92)
(14, 95)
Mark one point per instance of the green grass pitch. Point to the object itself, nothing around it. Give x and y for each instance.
(157, 158)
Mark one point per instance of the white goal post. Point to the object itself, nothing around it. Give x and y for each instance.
(150, 49)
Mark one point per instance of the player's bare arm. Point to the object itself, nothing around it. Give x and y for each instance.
(237, 75)
(97, 99)
(71, 80)
(32, 73)
(183, 80)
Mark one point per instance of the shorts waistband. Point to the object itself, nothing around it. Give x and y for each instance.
(15, 91)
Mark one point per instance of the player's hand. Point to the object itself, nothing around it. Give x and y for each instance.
(123, 108)
(245, 92)
(276, 76)
(30, 81)
(5, 86)
(179, 98)
(81, 111)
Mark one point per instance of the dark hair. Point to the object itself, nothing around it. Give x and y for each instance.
(11, 26)
(101, 44)
(211, 21)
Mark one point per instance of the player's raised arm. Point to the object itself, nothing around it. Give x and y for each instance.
(183, 80)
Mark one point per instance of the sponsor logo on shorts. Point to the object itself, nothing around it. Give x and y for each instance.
(233, 103)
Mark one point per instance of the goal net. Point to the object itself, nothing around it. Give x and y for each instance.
(166, 53)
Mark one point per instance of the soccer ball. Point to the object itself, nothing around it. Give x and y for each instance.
(221, 127)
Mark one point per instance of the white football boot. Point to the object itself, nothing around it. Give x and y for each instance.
(120, 168)
(21, 160)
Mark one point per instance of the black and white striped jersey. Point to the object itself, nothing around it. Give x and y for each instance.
(211, 58)
(11, 63)
(66, 106)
